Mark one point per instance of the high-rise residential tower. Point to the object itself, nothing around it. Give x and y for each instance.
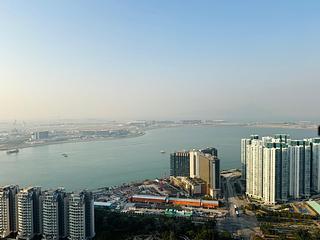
(315, 164)
(279, 169)
(245, 142)
(254, 157)
(180, 164)
(81, 216)
(8, 210)
(275, 172)
(300, 169)
(29, 213)
(55, 214)
(266, 164)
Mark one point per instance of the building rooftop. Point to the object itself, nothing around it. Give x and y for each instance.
(195, 181)
(314, 205)
(103, 204)
(150, 197)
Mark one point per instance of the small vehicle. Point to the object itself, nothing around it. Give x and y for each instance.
(237, 213)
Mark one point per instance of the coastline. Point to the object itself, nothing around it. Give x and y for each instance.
(141, 177)
(144, 131)
(24, 145)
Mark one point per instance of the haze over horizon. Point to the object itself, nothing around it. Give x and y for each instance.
(145, 59)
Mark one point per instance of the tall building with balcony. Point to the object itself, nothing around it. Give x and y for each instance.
(81, 216)
(8, 210)
(275, 172)
(206, 167)
(245, 142)
(265, 162)
(315, 164)
(55, 214)
(180, 164)
(254, 161)
(300, 168)
(29, 213)
(279, 169)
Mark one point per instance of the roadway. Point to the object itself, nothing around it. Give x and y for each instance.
(244, 225)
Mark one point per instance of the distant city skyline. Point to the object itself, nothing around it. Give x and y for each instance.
(121, 60)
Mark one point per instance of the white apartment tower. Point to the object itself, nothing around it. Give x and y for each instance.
(29, 213)
(244, 143)
(275, 172)
(279, 169)
(194, 164)
(254, 166)
(300, 169)
(55, 214)
(8, 210)
(81, 216)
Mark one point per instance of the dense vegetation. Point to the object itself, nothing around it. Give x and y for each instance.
(265, 214)
(283, 224)
(300, 233)
(114, 225)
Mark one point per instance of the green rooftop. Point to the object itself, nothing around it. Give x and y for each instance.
(314, 205)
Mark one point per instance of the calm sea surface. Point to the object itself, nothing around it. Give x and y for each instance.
(112, 162)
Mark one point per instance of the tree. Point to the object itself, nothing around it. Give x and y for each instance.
(302, 234)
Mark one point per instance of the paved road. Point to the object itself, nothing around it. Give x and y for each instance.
(243, 226)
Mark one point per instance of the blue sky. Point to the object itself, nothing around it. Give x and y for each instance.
(256, 60)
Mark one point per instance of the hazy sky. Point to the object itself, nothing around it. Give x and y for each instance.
(160, 59)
